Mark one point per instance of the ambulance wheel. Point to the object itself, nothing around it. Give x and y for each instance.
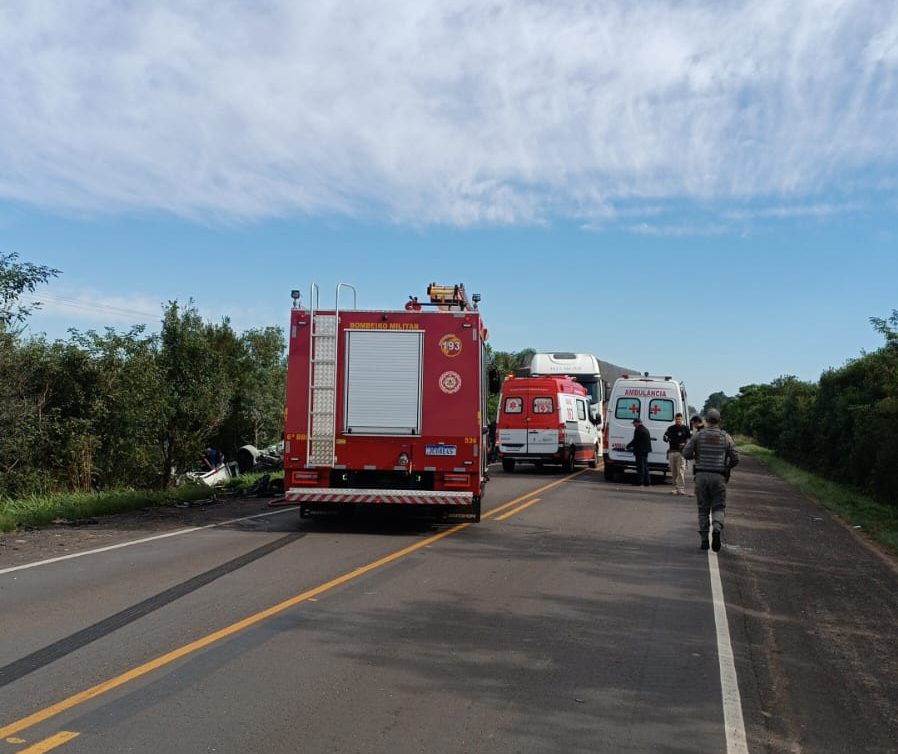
(508, 464)
(595, 458)
(569, 460)
(476, 506)
(608, 473)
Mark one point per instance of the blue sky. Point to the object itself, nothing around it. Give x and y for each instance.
(703, 189)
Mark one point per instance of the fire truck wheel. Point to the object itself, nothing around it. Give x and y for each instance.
(476, 505)
(508, 464)
(595, 458)
(569, 459)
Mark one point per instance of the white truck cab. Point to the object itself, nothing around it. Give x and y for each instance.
(653, 399)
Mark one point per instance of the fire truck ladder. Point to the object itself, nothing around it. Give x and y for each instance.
(322, 429)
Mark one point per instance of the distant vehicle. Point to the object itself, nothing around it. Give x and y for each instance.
(583, 367)
(546, 420)
(656, 401)
(387, 408)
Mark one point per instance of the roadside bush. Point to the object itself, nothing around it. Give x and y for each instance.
(845, 427)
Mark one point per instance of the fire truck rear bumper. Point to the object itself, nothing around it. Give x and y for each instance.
(387, 497)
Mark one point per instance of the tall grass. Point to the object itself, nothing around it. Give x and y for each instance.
(877, 519)
(41, 510)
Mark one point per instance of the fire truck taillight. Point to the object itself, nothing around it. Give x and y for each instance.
(456, 480)
(305, 477)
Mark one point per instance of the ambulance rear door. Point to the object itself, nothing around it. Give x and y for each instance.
(542, 422)
(659, 411)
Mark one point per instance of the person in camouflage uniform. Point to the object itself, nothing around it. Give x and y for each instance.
(714, 453)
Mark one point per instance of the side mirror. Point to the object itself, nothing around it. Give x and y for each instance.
(594, 415)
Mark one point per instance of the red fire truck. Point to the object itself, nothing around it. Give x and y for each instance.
(387, 407)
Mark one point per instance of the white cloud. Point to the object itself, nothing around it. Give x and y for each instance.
(84, 309)
(455, 111)
(91, 309)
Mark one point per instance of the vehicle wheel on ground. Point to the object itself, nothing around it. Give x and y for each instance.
(569, 460)
(508, 464)
(595, 458)
(476, 505)
(608, 472)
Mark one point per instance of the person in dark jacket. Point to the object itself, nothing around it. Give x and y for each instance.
(676, 436)
(641, 446)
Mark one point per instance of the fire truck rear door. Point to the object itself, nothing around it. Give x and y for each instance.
(383, 382)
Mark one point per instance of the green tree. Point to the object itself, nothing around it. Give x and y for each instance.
(256, 411)
(262, 384)
(17, 278)
(127, 409)
(506, 363)
(888, 328)
(196, 383)
(717, 400)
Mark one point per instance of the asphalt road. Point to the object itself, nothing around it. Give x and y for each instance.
(578, 619)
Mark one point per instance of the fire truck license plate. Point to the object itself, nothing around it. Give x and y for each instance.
(440, 450)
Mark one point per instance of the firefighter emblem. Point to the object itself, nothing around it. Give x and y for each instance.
(450, 382)
(450, 345)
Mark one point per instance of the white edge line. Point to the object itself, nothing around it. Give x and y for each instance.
(729, 684)
(141, 541)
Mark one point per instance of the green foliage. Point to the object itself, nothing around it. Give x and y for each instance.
(506, 363)
(196, 383)
(716, 400)
(845, 427)
(888, 328)
(127, 409)
(258, 376)
(17, 278)
(40, 510)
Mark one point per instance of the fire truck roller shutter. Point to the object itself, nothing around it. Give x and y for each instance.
(383, 382)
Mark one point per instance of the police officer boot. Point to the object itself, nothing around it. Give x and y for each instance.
(705, 544)
(715, 540)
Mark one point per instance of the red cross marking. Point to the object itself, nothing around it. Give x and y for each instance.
(656, 409)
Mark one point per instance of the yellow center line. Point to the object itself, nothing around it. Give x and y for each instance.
(518, 509)
(203, 642)
(517, 500)
(50, 743)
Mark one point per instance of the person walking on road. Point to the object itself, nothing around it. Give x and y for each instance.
(676, 436)
(715, 454)
(696, 425)
(641, 446)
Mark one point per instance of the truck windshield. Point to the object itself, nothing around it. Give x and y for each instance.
(592, 386)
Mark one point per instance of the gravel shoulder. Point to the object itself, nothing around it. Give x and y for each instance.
(22, 547)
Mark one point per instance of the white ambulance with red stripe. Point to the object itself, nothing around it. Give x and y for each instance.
(653, 399)
(385, 408)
